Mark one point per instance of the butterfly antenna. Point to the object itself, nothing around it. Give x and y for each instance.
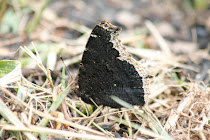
(67, 69)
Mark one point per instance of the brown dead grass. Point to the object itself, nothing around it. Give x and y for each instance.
(182, 107)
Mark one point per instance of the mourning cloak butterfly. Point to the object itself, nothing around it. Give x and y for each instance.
(107, 69)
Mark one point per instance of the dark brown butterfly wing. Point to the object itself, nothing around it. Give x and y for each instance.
(107, 69)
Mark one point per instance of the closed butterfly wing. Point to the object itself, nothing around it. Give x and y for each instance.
(107, 69)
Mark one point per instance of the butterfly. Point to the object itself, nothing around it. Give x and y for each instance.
(108, 69)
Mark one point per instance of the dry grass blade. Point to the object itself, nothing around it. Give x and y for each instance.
(49, 117)
(56, 132)
(159, 38)
(92, 122)
(38, 60)
(138, 127)
(172, 120)
(147, 115)
(11, 117)
(55, 105)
